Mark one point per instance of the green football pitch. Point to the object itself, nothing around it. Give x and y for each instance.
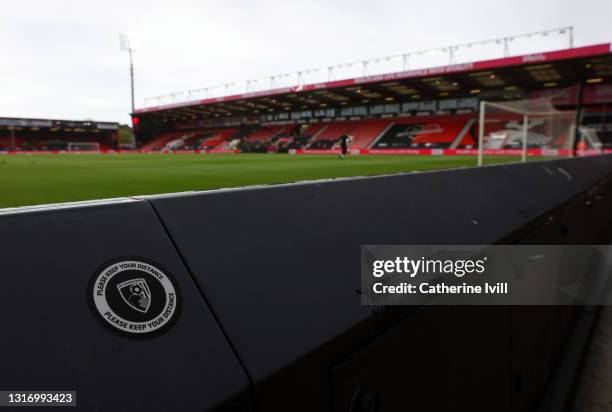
(40, 179)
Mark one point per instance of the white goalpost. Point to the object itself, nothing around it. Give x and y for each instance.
(83, 146)
(524, 124)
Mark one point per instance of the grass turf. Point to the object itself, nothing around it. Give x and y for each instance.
(39, 179)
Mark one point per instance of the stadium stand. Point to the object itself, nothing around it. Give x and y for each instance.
(186, 141)
(326, 138)
(505, 131)
(18, 134)
(430, 132)
(334, 130)
(263, 134)
(597, 119)
(432, 108)
(190, 140)
(268, 138)
(365, 132)
(6, 143)
(312, 130)
(160, 141)
(212, 140)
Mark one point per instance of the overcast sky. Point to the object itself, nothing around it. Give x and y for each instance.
(61, 59)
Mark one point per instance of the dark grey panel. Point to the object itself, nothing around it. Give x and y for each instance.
(50, 338)
(279, 265)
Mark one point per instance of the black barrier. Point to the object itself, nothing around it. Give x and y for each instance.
(279, 267)
(268, 282)
(52, 340)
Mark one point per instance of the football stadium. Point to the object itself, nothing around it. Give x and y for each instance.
(429, 230)
(403, 121)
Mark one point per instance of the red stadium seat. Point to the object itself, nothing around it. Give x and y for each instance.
(334, 130)
(264, 134)
(160, 141)
(427, 131)
(365, 132)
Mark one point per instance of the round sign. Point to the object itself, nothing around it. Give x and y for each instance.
(134, 297)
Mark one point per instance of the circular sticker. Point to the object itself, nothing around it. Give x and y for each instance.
(134, 297)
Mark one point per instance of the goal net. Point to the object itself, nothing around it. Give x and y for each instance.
(83, 147)
(525, 127)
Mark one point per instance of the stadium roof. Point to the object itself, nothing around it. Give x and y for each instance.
(526, 72)
(15, 122)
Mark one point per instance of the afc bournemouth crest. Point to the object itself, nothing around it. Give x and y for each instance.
(134, 296)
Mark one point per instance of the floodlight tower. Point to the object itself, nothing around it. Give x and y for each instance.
(124, 41)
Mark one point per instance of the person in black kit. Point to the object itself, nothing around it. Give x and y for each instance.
(344, 142)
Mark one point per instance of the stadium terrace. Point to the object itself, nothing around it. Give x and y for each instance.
(47, 135)
(415, 112)
(425, 111)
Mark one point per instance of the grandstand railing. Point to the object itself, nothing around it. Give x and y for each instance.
(454, 54)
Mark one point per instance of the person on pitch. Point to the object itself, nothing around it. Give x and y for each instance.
(344, 143)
